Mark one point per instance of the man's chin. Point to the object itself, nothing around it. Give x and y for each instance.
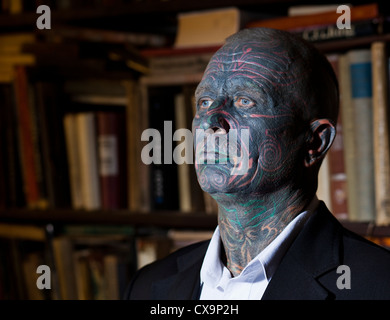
(218, 178)
(213, 178)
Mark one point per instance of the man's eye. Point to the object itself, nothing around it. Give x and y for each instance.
(205, 103)
(243, 102)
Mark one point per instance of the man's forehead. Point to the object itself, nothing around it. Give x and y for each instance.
(223, 80)
(250, 57)
(248, 62)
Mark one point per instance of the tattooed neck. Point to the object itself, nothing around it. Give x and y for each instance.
(248, 223)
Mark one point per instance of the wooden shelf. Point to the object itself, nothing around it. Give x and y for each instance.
(343, 45)
(163, 219)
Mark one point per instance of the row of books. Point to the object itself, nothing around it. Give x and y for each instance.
(82, 262)
(105, 166)
(96, 158)
(315, 23)
(54, 153)
(354, 179)
(87, 264)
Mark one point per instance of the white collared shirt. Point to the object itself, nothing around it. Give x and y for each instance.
(217, 282)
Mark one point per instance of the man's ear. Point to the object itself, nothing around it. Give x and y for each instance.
(323, 132)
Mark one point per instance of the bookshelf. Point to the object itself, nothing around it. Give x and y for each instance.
(126, 68)
(162, 219)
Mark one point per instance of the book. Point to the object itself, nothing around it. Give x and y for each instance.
(338, 176)
(108, 100)
(90, 184)
(299, 10)
(163, 170)
(111, 162)
(117, 274)
(11, 54)
(321, 33)
(347, 116)
(113, 274)
(358, 13)
(359, 137)
(18, 39)
(210, 27)
(29, 141)
(136, 39)
(174, 64)
(63, 257)
(99, 265)
(82, 277)
(73, 156)
(50, 110)
(184, 185)
(380, 85)
(150, 248)
(137, 193)
(323, 189)
(23, 232)
(30, 264)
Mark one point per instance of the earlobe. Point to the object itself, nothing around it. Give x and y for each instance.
(323, 132)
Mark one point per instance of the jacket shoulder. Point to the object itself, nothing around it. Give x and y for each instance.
(140, 285)
(367, 266)
(367, 254)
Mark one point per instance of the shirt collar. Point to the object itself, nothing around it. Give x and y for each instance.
(213, 268)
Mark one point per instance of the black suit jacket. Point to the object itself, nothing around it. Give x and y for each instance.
(307, 271)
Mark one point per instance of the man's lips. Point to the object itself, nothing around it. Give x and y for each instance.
(212, 157)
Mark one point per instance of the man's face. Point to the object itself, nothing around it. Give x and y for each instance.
(247, 90)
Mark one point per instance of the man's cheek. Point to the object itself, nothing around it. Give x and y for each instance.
(270, 154)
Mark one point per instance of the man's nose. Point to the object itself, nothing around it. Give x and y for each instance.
(214, 121)
(215, 124)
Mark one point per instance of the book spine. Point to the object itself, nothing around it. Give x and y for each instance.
(26, 143)
(332, 32)
(338, 177)
(63, 258)
(138, 189)
(40, 168)
(347, 116)
(361, 91)
(185, 203)
(323, 189)
(88, 160)
(358, 13)
(108, 156)
(72, 148)
(163, 173)
(381, 132)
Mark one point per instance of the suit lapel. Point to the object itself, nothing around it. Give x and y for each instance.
(185, 283)
(314, 252)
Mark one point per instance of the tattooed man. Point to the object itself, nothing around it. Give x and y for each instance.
(269, 101)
